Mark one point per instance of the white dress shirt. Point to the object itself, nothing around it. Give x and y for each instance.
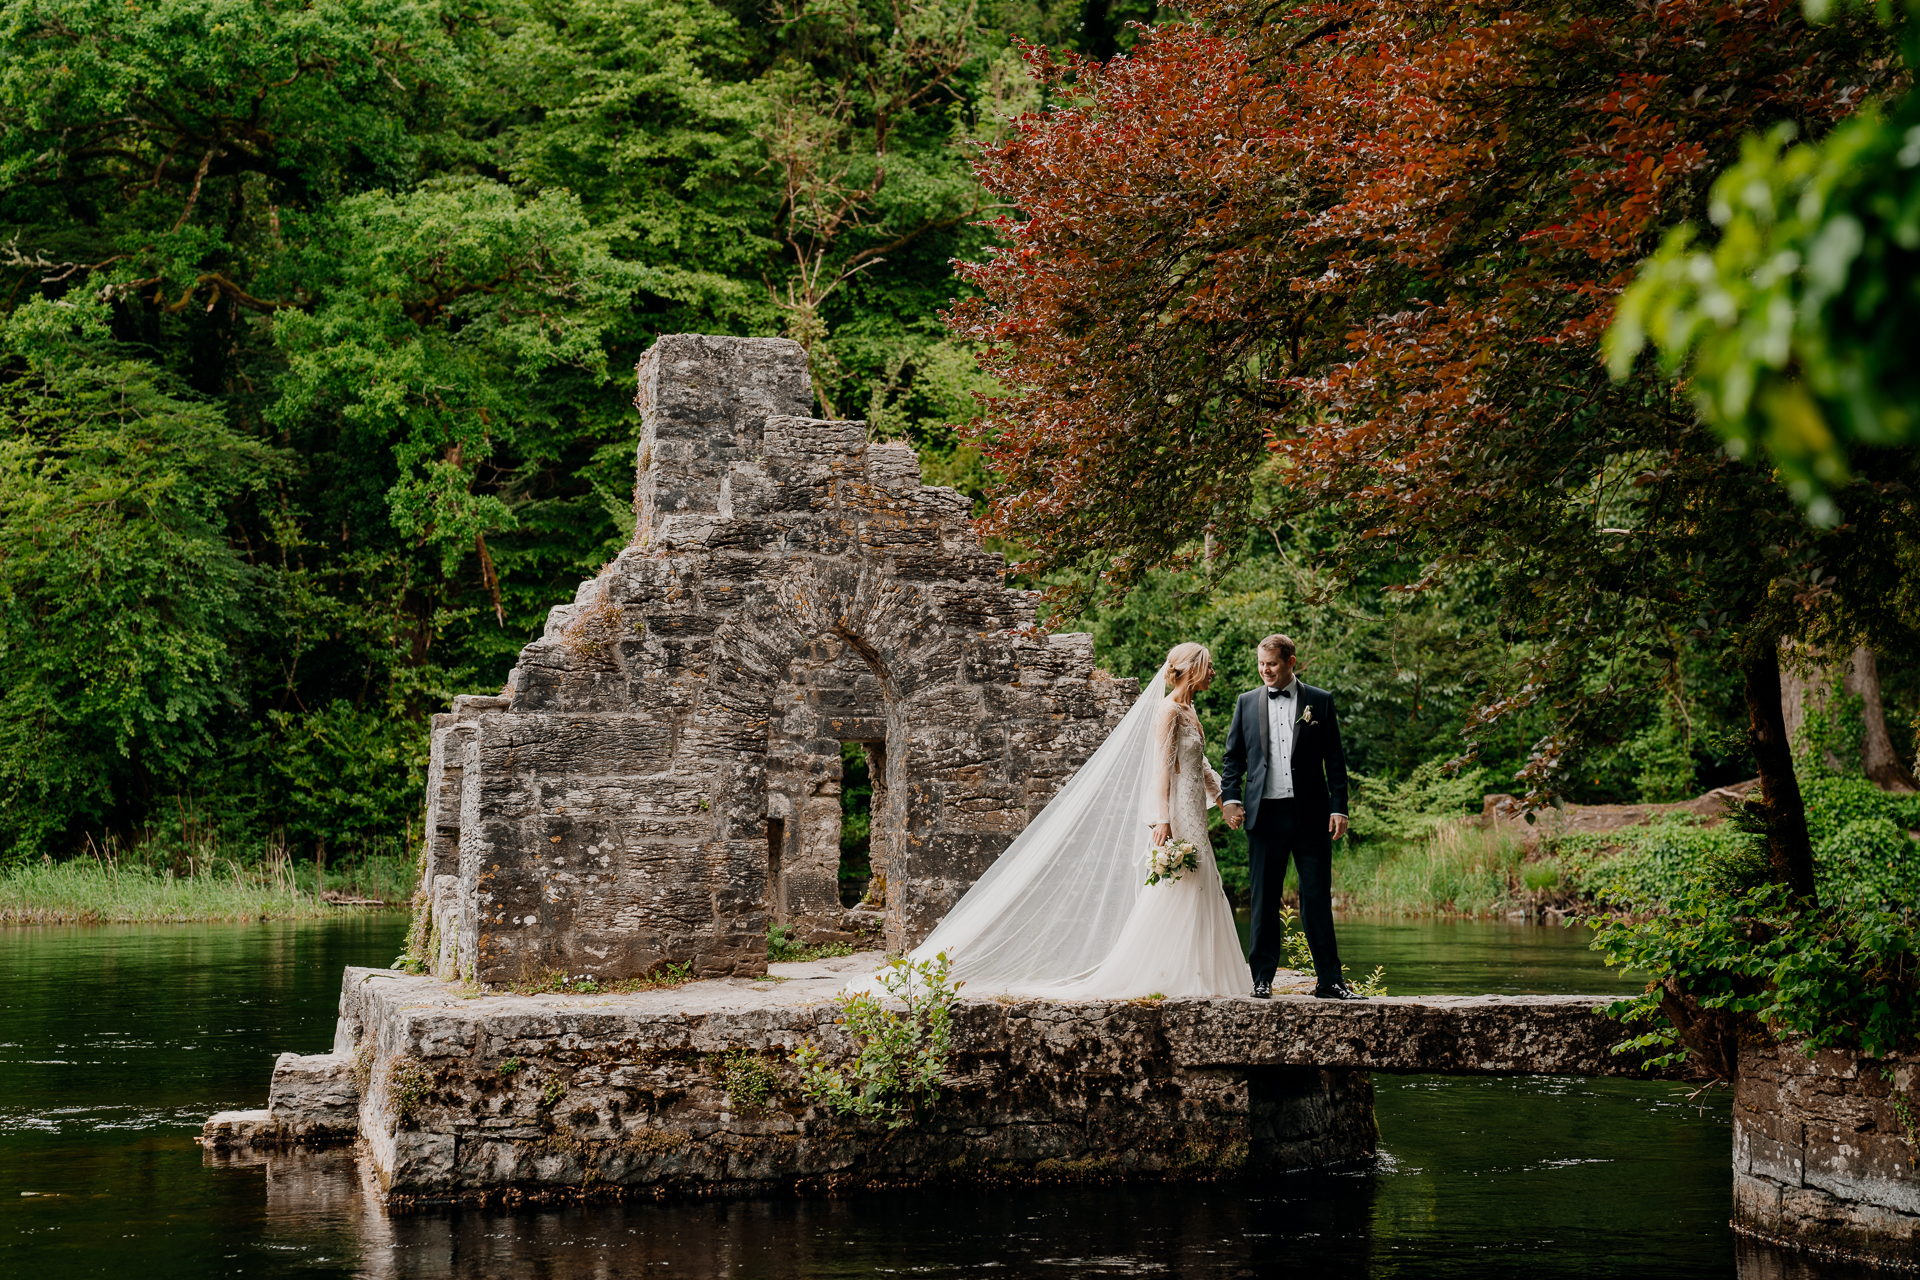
(1282, 714)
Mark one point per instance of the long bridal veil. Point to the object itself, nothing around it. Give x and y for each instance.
(1053, 905)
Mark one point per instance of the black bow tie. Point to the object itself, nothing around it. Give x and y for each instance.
(1280, 693)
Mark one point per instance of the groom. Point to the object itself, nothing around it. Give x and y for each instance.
(1284, 745)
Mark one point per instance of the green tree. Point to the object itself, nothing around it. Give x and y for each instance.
(407, 251)
(120, 597)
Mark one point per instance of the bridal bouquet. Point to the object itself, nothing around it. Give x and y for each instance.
(1171, 860)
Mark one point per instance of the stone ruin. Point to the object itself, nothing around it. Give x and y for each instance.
(660, 779)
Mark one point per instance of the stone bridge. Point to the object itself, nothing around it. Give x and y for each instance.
(691, 1089)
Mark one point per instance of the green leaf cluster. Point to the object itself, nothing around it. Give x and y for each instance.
(1708, 927)
(119, 590)
(1794, 326)
(899, 1057)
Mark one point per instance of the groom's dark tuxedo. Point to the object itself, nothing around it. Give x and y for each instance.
(1282, 827)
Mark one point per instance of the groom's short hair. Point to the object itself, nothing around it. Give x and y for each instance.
(1282, 645)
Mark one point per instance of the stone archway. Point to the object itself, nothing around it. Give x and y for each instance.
(790, 585)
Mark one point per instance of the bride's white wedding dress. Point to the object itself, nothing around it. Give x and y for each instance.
(1065, 913)
(1179, 939)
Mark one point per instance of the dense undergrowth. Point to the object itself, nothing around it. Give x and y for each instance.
(1733, 957)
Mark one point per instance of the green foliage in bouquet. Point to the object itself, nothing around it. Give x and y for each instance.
(899, 1058)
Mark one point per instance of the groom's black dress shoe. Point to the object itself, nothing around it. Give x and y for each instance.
(1263, 991)
(1337, 991)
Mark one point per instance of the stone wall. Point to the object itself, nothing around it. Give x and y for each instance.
(660, 781)
(641, 1092)
(1824, 1153)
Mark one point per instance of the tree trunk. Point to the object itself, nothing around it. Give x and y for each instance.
(1878, 759)
(1789, 850)
(1809, 690)
(1803, 687)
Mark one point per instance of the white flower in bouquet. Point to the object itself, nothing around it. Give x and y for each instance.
(1172, 860)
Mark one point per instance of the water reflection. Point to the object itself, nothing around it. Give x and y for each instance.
(1398, 1221)
(115, 1043)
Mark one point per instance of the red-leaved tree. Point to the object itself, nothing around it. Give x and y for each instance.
(1374, 243)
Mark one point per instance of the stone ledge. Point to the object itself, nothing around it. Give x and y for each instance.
(1473, 1035)
(1821, 1157)
(631, 1094)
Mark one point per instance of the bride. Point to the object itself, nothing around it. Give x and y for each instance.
(1066, 914)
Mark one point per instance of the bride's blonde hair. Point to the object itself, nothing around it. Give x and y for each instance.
(1186, 662)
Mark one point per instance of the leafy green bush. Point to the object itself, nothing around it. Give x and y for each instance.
(899, 1058)
(1733, 955)
(120, 595)
(1868, 864)
(1862, 854)
(1753, 956)
(1416, 805)
(1834, 800)
(346, 775)
(1653, 865)
(786, 947)
(751, 1081)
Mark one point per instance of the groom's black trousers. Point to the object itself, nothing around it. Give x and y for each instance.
(1271, 839)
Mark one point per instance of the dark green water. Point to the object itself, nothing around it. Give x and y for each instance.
(116, 1042)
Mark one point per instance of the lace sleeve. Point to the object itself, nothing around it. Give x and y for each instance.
(1213, 782)
(1166, 762)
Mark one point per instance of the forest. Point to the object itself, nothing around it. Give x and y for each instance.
(319, 321)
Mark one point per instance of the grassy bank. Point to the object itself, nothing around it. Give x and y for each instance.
(100, 891)
(1457, 870)
(1863, 853)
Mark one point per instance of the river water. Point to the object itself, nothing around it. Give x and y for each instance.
(116, 1042)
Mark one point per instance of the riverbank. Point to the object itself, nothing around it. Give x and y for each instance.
(1609, 858)
(92, 891)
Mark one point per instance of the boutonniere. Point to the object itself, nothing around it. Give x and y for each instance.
(1306, 715)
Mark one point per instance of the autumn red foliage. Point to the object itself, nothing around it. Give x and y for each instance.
(1342, 228)
(1374, 243)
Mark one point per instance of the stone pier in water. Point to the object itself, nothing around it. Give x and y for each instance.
(690, 1089)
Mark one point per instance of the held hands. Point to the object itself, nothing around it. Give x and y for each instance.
(1236, 816)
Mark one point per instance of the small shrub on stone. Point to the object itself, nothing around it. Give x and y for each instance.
(510, 1066)
(1300, 958)
(552, 1093)
(408, 1084)
(751, 1081)
(362, 1067)
(899, 1058)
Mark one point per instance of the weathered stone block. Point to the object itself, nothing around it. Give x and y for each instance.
(1822, 1159)
(564, 1095)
